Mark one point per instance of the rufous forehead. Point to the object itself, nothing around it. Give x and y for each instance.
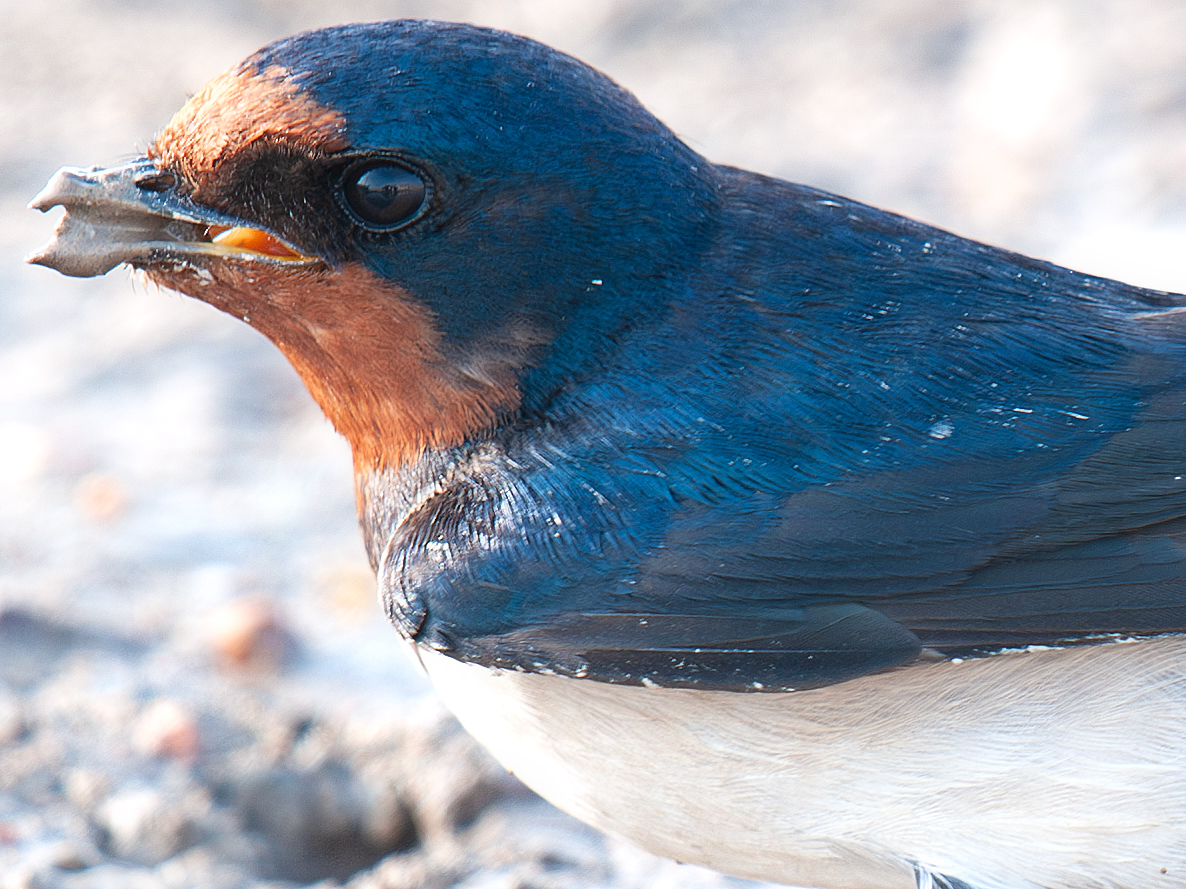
(242, 108)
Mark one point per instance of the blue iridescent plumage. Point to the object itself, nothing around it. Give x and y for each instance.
(760, 421)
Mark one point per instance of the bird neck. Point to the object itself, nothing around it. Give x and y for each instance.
(369, 354)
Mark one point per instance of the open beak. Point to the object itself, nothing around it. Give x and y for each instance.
(133, 214)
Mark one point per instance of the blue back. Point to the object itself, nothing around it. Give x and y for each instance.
(770, 437)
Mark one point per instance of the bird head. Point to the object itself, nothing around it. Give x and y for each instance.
(441, 226)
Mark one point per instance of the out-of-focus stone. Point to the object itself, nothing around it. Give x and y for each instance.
(322, 822)
(147, 825)
(249, 634)
(72, 855)
(20, 877)
(349, 590)
(413, 871)
(167, 729)
(86, 788)
(386, 821)
(100, 497)
(448, 779)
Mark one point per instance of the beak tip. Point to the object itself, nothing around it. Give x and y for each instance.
(74, 263)
(41, 257)
(55, 190)
(103, 224)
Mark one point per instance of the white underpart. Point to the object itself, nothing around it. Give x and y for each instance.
(1059, 769)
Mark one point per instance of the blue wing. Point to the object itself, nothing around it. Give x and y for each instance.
(848, 439)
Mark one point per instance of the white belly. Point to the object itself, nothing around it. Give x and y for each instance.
(1062, 769)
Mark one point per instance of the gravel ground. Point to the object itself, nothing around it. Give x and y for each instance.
(196, 685)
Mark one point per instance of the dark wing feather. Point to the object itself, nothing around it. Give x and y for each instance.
(852, 438)
(801, 647)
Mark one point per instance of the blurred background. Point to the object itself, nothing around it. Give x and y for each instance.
(197, 687)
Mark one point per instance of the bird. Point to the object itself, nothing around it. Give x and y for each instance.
(773, 531)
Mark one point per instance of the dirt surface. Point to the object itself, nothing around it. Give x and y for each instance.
(197, 687)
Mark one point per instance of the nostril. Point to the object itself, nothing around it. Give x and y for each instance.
(155, 180)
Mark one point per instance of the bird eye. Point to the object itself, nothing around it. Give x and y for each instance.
(383, 194)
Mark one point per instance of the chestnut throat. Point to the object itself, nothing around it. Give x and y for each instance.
(368, 353)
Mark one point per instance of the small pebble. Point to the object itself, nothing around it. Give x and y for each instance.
(146, 825)
(86, 788)
(249, 634)
(448, 780)
(68, 855)
(99, 497)
(322, 822)
(350, 591)
(20, 877)
(167, 729)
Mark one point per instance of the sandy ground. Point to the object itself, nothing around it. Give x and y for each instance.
(196, 685)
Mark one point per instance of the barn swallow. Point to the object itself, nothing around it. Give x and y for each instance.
(776, 532)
